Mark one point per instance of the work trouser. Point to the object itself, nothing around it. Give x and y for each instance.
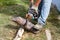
(44, 9)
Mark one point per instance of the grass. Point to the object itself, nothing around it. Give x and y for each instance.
(8, 28)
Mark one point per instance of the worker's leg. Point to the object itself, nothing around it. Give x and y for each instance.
(40, 7)
(44, 11)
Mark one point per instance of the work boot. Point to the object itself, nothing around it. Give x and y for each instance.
(38, 27)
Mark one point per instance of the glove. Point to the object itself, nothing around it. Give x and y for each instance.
(32, 13)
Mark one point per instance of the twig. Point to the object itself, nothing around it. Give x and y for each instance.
(48, 34)
(19, 34)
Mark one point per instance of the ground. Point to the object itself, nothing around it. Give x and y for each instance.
(8, 28)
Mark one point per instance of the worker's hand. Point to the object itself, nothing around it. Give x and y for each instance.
(29, 16)
(32, 13)
(35, 8)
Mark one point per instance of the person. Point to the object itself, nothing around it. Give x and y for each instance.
(43, 8)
